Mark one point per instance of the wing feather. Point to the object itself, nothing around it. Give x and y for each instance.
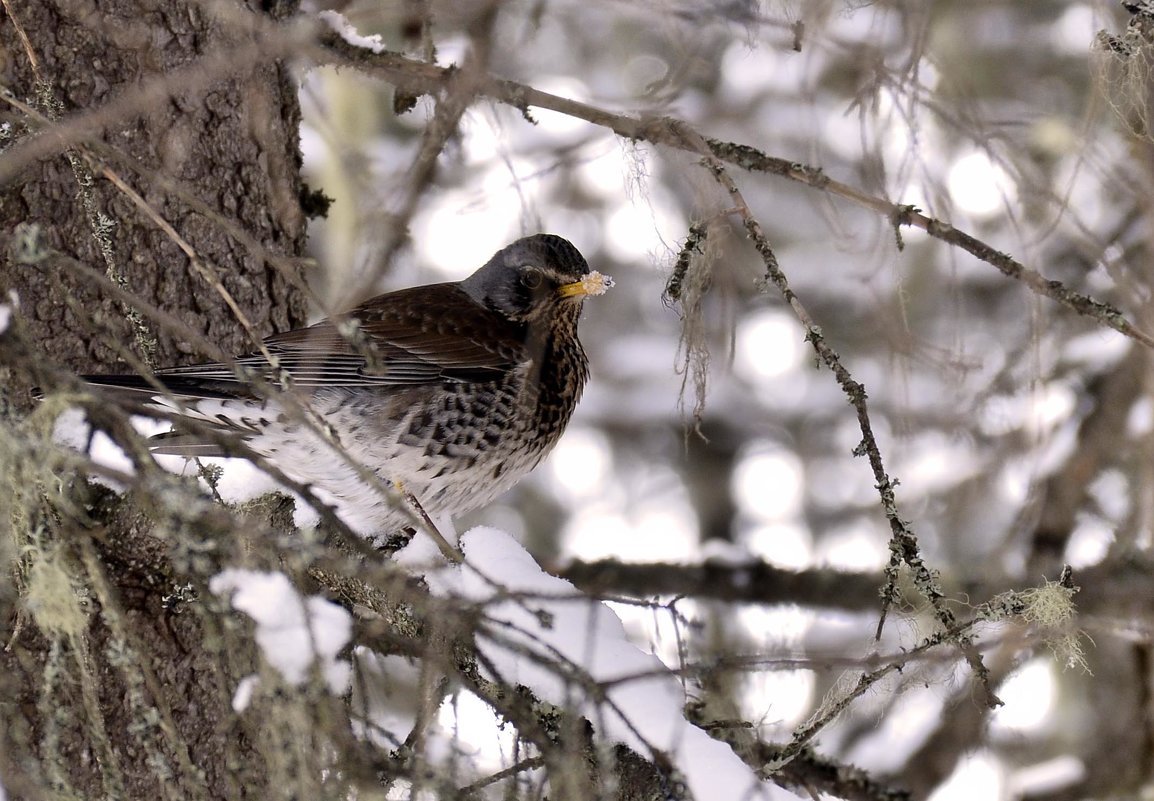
(421, 336)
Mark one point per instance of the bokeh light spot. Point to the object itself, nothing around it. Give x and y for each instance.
(979, 186)
(767, 484)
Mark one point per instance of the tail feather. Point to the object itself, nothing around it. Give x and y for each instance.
(137, 394)
(182, 443)
(137, 388)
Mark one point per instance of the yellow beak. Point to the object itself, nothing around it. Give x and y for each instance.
(593, 283)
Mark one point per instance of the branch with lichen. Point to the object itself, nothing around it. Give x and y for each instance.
(904, 549)
(418, 77)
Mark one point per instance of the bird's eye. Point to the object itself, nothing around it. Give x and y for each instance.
(532, 278)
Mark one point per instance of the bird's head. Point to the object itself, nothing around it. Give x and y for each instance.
(538, 278)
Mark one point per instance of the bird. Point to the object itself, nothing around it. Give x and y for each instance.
(450, 392)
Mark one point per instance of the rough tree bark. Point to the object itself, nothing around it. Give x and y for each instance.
(228, 147)
(117, 694)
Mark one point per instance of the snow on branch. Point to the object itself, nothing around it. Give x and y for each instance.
(538, 631)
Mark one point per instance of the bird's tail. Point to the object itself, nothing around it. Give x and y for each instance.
(204, 401)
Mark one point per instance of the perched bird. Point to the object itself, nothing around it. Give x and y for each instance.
(451, 391)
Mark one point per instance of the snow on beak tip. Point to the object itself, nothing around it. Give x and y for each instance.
(593, 283)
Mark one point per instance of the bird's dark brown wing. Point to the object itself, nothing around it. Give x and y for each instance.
(419, 336)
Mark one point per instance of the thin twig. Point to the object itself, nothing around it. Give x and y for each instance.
(448, 550)
(532, 763)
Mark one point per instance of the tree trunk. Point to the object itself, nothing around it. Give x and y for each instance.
(109, 688)
(225, 147)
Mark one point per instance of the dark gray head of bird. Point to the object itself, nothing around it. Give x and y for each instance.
(538, 277)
